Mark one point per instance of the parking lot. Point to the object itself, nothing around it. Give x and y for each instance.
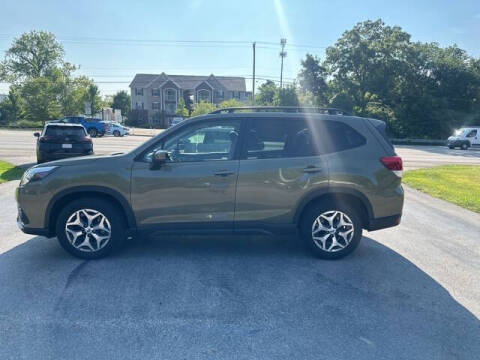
(409, 292)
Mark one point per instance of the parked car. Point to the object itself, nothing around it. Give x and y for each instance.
(95, 127)
(116, 129)
(59, 141)
(327, 176)
(465, 138)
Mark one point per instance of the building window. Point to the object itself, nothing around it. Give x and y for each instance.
(155, 105)
(220, 94)
(139, 91)
(171, 95)
(155, 92)
(203, 95)
(171, 108)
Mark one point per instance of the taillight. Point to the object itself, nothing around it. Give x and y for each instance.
(393, 163)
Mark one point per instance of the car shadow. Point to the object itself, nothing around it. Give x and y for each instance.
(226, 297)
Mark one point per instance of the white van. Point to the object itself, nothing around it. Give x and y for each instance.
(464, 138)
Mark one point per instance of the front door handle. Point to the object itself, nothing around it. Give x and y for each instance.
(312, 169)
(224, 173)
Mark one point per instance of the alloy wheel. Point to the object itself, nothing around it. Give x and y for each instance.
(88, 230)
(332, 231)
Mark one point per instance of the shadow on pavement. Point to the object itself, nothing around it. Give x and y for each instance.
(222, 297)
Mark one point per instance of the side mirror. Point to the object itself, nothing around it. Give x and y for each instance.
(160, 157)
(36, 134)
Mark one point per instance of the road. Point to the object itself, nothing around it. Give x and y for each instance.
(410, 292)
(18, 147)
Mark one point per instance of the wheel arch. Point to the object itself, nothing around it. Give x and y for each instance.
(339, 195)
(64, 197)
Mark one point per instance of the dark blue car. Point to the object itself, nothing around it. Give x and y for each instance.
(95, 127)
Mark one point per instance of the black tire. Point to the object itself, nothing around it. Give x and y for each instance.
(308, 219)
(464, 146)
(451, 147)
(111, 213)
(92, 132)
(116, 133)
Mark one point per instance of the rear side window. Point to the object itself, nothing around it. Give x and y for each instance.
(337, 136)
(61, 131)
(269, 138)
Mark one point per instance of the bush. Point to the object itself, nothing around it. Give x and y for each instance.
(28, 124)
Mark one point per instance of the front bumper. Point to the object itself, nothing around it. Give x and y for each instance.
(21, 223)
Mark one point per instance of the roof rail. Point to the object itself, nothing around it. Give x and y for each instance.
(287, 109)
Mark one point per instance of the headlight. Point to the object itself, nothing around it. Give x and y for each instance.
(36, 173)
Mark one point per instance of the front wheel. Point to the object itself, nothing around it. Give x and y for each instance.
(90, 228)
(92, 132)
(464, 146)
(331, 231)
(116, 133)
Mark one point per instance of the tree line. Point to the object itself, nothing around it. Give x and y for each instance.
(421, 90)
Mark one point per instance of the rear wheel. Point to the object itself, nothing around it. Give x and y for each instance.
(92, 132)
(451, 147)
(90, 228)
(331, 230)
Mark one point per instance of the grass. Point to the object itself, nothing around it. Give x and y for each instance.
(459, 184)
(9, 172)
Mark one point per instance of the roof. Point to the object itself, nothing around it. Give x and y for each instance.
(63, 124)
(232, 83)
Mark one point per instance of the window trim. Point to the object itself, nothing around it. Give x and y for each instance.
(161, 141)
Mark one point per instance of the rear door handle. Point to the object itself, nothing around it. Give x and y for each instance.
(224, 173)
(312, 169)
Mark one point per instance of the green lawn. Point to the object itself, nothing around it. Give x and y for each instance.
(459, 184)
(9, 172)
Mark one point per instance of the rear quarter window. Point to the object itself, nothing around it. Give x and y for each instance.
(338, 136)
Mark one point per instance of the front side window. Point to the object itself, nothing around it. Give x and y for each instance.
(280, 138)
(213, 140)
(472, 133)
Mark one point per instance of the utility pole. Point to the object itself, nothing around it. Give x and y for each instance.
(253, 77)
(283, 54)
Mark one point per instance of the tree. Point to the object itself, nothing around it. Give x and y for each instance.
(286, 96)
(266, 93)
(40, 99)
(312, 80)
(93, 97)
(122, 101)
(181, 108)
(11, 108)
(32, 55)
(230, 103)
(203, 108)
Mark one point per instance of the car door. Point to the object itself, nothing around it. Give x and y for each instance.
(196, 187)
(280, 164)
(474, 137)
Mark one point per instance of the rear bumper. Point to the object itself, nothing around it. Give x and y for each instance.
(384, 222)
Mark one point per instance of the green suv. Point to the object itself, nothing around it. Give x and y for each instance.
(321, 173)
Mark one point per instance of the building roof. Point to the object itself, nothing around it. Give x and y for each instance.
(188, 82)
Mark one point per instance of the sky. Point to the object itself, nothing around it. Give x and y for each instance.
(111, 41)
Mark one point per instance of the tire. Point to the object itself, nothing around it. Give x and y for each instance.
(451, 147)
(92, 132)
(312, 219)
(464, 146)
(97, 245)
(116, 133)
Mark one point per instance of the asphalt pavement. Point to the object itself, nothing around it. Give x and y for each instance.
(18, 147)
(410, 292)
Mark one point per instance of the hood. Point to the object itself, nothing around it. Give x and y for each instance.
(453, 138)
(80, 160)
